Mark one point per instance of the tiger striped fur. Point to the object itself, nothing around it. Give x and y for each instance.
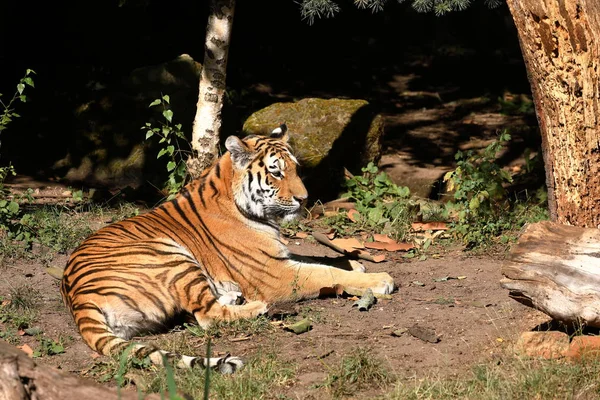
(192, 255)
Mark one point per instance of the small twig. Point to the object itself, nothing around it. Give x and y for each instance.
(240, 339)
(321, 238)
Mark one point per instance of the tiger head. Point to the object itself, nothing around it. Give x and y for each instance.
(265, 183)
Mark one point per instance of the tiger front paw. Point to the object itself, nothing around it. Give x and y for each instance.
(384, 285)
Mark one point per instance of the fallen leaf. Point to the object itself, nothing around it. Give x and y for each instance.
(348, 244)
(461, 277)
(378, 237)
(301, 235)
(5, 303)
(376, 245)
(424, 333)
(21, 332)
(378, 258)
(399, 332)
(353, 215)
(354, 298)
(499, 340)
(299, 327)
(418, 283)
(55, 272)
(366, 301)
(399, 246)
(429, 226)
(26, 349)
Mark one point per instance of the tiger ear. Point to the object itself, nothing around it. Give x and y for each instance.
(240, 153)
(280, 133)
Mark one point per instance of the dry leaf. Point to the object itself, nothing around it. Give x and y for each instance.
(399, 246)
(366, 301)
(379, 258)
(382, 238)
(376, 245)
(21, 332)
(353, 215)
(299, 327)
(426, 226)
(301, 235)
(348, 244)
(26, 349)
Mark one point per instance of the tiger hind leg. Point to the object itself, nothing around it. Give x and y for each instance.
(101, 337)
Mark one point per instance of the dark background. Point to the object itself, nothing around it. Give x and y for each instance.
(70, 44)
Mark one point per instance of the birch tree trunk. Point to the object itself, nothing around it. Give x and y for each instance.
(207, 123)
(560, 42)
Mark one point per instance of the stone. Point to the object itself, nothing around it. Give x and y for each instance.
(327, 135)
(584, 346)
(546, 344)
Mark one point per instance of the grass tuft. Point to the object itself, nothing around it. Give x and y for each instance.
(358, 370)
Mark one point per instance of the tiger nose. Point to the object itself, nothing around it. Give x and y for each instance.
(301, 197)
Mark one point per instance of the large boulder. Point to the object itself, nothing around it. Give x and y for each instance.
(327, 136)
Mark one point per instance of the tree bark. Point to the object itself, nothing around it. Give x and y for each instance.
(207, 122)
(556, 269)
(21, 378)
(560, 42)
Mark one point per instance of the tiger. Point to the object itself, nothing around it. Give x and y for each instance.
(216, 243)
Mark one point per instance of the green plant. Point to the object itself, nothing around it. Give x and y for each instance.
(10, 210)
(480, 202)
(358, 370)
(55, 228)
(170, 136)
(48, 347)
(383, 206)
(20, 308)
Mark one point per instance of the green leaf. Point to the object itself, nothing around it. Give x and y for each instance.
(171, 166)
(149, 134)
(167, 99)
(20, 88)
(171, 149)
(168, 114)
(13, 207)
(474, 203)
(28, 81)
(154, 103)
(161, 153)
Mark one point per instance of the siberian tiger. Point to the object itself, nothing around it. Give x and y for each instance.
(191, 255)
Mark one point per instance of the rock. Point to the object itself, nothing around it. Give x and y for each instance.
(548, 344)
(327, 136)
(584, 346)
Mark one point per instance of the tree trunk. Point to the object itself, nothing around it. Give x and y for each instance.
(556, 269)
(207, 123)
(21, 378)
(560, 41)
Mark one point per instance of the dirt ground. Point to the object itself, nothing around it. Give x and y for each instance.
(473, 318)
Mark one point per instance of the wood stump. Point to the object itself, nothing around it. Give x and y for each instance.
(556, 269)
(22, 378)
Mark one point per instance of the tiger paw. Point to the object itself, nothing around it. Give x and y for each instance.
(385, 284)
(255, 308)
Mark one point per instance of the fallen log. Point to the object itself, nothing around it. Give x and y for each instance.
(556, 269)
(22, 378)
